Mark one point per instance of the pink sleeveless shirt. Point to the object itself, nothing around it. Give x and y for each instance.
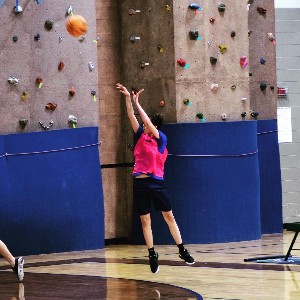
(148, 159)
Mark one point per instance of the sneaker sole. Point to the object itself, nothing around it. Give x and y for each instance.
(186, 261)
(156, 270)
(20, 269)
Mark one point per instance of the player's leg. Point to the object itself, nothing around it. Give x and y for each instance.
(148, 236)
(16, 263)
(173, 227)
(175, 232)
(162, 202)
(142, 199)
(6, 254)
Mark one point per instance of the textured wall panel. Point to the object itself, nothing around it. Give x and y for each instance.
(195, 82)
(264, 102)
(117, 203)
(28, 59)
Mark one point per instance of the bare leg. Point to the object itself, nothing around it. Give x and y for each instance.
(6, 254)
(173, 227)
(147, 230)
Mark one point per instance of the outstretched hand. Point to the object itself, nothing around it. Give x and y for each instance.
(136, 96)
(122, 89)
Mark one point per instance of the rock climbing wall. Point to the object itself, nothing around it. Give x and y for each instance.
(263, 86)
(148, 54)
(47, 80)
(199, 61)
(214, 45)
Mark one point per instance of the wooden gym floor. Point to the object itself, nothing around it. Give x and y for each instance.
(122, 272)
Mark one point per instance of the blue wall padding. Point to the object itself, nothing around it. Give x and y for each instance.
(270, 177)
(51, 202)
(215, 199)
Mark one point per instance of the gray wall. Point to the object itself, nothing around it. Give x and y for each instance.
(288, 74)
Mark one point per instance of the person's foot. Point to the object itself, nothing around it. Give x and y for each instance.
(18, 268)
(186, 256)
(153, 259)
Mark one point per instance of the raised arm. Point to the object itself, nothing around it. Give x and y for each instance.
(130, 112)
(146, 120)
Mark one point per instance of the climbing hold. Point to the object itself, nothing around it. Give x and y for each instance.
(91, 66)
(60, 39)
(194, 6)
(93, 93)
(24, 96)
(160, 49)
(23, 123)
(213, 60)
(187, 102)
(46, 127)
(271, 37)
(39, 82)
(263, 86)
(51, 106)
(214, 87)
(61, 65)
(232, 34)
(167, 7)
(13, 80)
(49, 24)
(272, 87)
(194, 34)
(130, 146)
(243, 61)
(254, 114)
(132, 11)
(221, 7)
(72, 120)
(181, 62)
(249, 32)
(233, 87)
(15, 38)
(72, 92)
(200, 116)
(143, 64)
(262, 61)
(17, 9)
(96, 39)
(223, 116)
(212, 20)
(243, 114)
(162, 103)
(244, 99)
(134, 38)
(37, 37)
(69, 10)
(82, 38)
(222, 48)
(261, 10)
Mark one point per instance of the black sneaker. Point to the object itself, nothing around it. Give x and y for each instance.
(18, 268)
(154, 262)
(186, 256)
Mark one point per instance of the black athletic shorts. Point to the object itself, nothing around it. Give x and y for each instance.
(147, 191)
